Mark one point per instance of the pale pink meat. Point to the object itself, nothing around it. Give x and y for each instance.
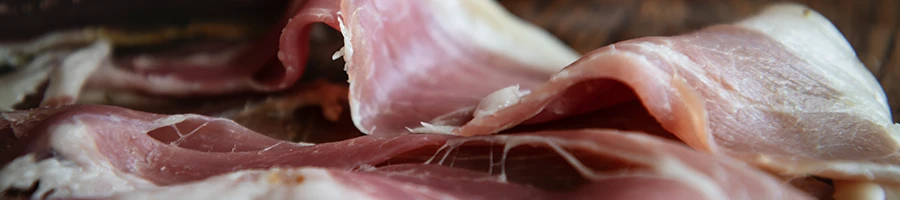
(249, 65)
(782, 90)
(432, 61)
(101, 151)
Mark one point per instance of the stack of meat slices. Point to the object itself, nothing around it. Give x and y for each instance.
(462, 100)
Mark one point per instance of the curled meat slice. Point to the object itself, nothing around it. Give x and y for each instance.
(429, 62)
(782, 90)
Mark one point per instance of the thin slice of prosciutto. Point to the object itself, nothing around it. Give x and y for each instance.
(407, 61)
(104, 152)
(72, 59)
(782, 90)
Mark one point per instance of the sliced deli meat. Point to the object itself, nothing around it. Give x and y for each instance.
(782, 90)
(207, 52)
(87, 152)
(428, 62)
(96, 50)
(711, 114)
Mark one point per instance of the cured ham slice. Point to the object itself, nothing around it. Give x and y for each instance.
(432, 47)
(87, 152)
(103, 56)
(781, 90)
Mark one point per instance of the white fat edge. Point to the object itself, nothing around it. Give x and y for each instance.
(81, 171)
(489, 25)
(444, 124)
(19, 173)
(201, 59)
(676, 169)
(347, 50)
(366, 168)
(302, 183)
(171, 120)
(15, 118)
(22, 82)
(814, 38)
(498, 100)
(25, 81)
(161, 83)
(114, 77)
(852, 179)
(70, 76)
(48, 41)
(338, 54)
(218, 58)
(167, 82)
(356, 116)
(837, 170)
(427, 128)
(858, 190)
(347, 53)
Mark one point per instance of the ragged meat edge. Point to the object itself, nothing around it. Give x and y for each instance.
(120, 153)
(434, 47)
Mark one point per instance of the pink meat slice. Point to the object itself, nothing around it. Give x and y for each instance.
(92, 151)
(192, 70)
(782, 90)
(254, 68)
(408, 61)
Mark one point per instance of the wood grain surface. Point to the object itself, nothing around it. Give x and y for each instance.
(871, 26)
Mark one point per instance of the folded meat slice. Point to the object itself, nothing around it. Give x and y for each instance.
(90, 151)
(419, 62)
(782, 90)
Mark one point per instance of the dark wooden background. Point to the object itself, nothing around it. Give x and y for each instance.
(871, 26)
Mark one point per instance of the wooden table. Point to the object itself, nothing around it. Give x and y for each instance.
(871, 26)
